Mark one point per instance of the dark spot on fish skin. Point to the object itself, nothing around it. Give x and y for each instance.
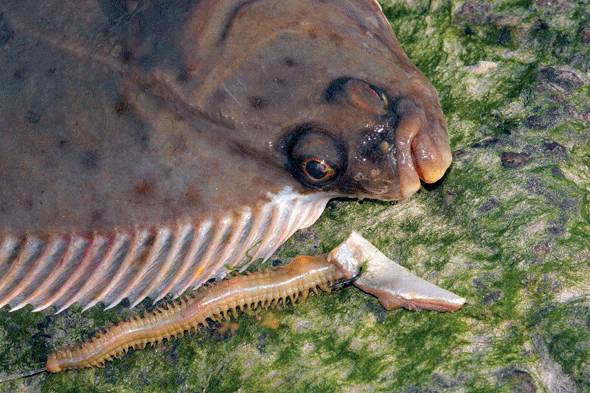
(6, 33)
(183, 75)
(95, 217)
(279, 82)
(144, 188)
(20, 73)
(62, 143)
(336, 38)
(122, 106)
(127, 57)
(144, 193)
(32, 117)
(514, 160)
(145, 141)
(231, 17)
(192, 197)
(90, 160)
(218, 98)
(29, 204)
(50, 72)
(289, 62)
(257, 103)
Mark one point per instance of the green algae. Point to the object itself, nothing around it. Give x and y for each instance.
(514, 240)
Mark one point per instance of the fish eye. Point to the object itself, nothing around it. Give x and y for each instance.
(317, 169)
(382, 96)
(315, 158)
(367, 97)
(359, 94)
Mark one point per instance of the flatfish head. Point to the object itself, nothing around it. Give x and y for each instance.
(150, 146)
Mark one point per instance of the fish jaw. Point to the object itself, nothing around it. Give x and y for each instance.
(394, 285)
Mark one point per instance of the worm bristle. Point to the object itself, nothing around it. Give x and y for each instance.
(216, 302)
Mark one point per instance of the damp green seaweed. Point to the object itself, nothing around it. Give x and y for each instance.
(513, 241)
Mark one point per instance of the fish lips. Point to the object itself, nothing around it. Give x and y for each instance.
(417, 150)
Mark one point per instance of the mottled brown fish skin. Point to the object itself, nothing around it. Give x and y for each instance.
(130, 153)
(144, 149)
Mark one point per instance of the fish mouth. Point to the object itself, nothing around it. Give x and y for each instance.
(420, 155)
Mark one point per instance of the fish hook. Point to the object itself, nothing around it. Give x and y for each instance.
(349, 281)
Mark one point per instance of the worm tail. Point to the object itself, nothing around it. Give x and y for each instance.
(118, 339)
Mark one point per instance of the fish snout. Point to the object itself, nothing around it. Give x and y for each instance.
(413, 147)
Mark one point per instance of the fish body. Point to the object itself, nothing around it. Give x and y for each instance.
(148, 147)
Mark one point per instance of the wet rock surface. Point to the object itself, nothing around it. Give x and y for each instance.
(508, 228)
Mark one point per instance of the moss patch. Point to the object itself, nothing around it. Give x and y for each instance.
(508, 228)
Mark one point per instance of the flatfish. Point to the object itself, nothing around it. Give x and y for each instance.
(149, 146)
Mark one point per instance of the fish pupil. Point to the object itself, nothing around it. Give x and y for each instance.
(318, 169)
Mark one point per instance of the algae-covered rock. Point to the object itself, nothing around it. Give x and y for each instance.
(508, 228)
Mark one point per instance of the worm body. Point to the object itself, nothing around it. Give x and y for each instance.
(248, 291)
